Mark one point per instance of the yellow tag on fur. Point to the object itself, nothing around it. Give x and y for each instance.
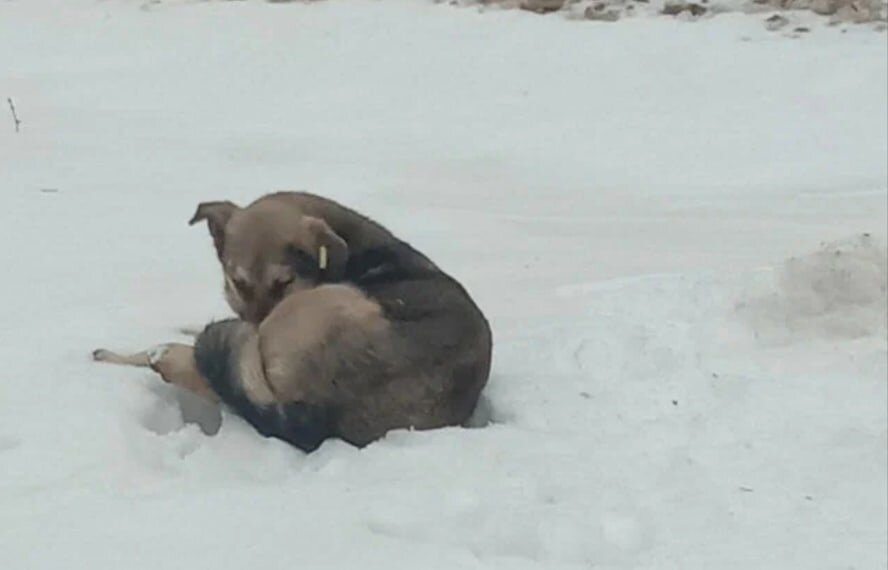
(322, 257)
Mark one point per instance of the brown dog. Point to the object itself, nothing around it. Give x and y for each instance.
(343, 330)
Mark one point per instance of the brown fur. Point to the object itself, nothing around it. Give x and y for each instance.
(377, 334)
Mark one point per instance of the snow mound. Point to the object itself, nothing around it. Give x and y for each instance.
(836, 291)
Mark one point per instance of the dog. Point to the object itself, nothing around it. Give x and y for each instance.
(342, 329)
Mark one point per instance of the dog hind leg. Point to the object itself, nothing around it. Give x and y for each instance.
(192, 331)
(228, 355)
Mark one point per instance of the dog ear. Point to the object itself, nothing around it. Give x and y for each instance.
(217, 215)
(331, 250)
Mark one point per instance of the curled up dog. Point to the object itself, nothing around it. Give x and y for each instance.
(343, 330)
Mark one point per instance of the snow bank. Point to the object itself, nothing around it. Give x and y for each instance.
(840, 290)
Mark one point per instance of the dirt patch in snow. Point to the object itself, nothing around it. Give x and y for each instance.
(781, 14)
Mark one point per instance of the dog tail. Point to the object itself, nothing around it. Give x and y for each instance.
(217, 354)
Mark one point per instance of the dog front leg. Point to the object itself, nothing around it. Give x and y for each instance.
(139, 359)
(175, 364)
(173, 361)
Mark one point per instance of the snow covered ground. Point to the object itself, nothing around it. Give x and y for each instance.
(663, 221)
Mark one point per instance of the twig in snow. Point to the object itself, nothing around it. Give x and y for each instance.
(14, 115)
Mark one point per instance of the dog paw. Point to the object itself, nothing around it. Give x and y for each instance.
(101, 355)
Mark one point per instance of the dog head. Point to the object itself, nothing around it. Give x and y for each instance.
(270, 249)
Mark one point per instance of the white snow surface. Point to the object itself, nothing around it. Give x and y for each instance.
(663, 221)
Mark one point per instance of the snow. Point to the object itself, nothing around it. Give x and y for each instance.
(838, 291)
(687, 374)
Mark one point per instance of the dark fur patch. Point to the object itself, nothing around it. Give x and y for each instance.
(388, 263)
(300, 424)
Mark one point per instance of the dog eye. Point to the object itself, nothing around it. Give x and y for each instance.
(280, 284)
